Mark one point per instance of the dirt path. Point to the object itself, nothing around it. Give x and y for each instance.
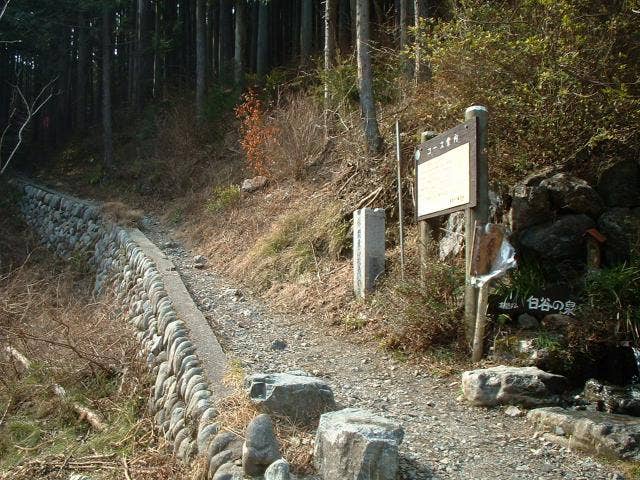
(444, 439)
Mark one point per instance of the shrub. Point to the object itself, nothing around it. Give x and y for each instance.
(421, 317)
(285, 143)
(559, 78)
(223, 197)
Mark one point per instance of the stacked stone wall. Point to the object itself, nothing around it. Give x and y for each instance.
(181, 398)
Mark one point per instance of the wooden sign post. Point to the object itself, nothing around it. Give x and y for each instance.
(452, 175)
(476, 213)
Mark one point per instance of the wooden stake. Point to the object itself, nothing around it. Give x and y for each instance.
(424, 229)
(480, 213)
(481, 322)
(400, 212)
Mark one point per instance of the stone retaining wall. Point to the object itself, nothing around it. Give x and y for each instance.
(183, 355)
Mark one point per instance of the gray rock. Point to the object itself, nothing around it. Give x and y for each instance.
(619, 185)
(572, 194)
(199, 261)
(225, 441)
(503, 385)
(561, 239)
(278, 345)
(302, 398)
(357, 444)
(513, 411)
(278, 470)
(229, 471)
(452, 241)
(621, 227)
(252, 184)
(527, 322)
(261, 447)
(219, 459)
(205, 435)
(529, 206)
(612, 398)
(602, 433)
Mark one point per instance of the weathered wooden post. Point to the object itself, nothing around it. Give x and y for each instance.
(479, 213)
(426, 235)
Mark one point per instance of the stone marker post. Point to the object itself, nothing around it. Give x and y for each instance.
(368, 248)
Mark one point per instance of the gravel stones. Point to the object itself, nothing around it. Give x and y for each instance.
(357, 444)
(597, 432)
(261, 447)
(300, 397)
(504, 385)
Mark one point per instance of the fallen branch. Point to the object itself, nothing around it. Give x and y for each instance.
(369, 199)
(85, 413)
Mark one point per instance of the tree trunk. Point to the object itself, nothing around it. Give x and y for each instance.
(353, 17)
(306, 31)
(143, 80)
(263, 40)
(215, 39)
(107, 133)
(329, 57)
(226, 40)
(201, 66)
(83, 57)
(365, 79)
(253, 40)
(241, 43)
(420, 12)
(344, 26)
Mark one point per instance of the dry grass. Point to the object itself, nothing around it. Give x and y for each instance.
(300, 140)
(237, 410)
(47, 313)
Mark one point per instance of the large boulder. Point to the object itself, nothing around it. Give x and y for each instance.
(619, 184)
(621, 227)
(300, 397)
(503, 385)
(353, 444)
(530, 205)
(561, 239)
(597, 432)
(261, 447)
(572, 195)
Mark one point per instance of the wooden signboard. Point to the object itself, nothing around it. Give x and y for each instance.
(446, 172)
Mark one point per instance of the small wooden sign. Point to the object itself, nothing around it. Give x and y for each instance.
(446, 172)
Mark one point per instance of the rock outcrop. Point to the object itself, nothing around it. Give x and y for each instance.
(596, 432)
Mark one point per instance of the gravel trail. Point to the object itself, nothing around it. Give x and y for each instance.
(444, 438)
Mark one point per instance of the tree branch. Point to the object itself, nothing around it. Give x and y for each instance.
(31, 110)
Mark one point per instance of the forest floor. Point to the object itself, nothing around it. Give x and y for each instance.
(445, 438)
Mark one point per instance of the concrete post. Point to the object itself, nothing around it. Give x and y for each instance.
(368, 248)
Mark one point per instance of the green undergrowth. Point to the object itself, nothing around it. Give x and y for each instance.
(298, 242)
(39, 423)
